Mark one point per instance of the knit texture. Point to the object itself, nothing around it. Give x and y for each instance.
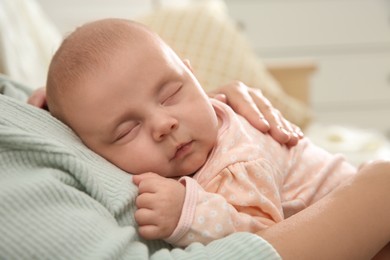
(59, 200)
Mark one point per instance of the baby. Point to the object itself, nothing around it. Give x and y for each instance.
(203, 172)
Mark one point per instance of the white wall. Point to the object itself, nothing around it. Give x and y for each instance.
(67, 14)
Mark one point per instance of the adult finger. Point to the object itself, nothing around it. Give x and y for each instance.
(38, 98)
(219, 96)
(241, 101)
(272, 115)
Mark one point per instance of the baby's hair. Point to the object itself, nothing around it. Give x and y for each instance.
(84, 52)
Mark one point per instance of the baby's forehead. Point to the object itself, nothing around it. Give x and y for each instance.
(91, 48)
(94, 44)
(112, 31)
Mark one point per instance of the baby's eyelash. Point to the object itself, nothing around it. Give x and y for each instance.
(125, 133)
(172, 94)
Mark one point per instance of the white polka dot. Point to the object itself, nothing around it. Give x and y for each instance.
(201, 219)
(218, 228)
(225, 206)
(213, 213)
(205, 234)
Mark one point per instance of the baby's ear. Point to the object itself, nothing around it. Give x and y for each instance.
(188, 64)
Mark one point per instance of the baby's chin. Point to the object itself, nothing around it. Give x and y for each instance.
(189, 170)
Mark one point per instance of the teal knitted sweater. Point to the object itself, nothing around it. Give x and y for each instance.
(59, 200)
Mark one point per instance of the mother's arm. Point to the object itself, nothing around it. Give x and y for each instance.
(352, 222)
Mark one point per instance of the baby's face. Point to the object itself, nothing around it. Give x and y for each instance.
(145, 112)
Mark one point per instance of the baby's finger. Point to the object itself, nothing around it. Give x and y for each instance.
(138, 178)
(150, 232)
(146, 200)
(145, 217)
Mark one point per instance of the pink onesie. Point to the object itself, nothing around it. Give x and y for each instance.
(251, 182)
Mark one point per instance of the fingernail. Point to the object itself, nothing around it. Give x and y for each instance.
(281, 128)
(299, 132)
(264, 121)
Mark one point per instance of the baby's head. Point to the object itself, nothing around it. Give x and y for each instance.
(130, 98)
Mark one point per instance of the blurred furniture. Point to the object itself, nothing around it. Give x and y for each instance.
(295, 77)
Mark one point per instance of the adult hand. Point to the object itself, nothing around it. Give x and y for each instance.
(258, 110)
(38, 98)
(160, 201)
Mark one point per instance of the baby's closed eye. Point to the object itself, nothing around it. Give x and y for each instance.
(170, 94)
(128, 132)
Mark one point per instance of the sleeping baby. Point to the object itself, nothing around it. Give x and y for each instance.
(203, 171)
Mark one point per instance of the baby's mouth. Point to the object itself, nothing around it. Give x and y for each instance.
(182, 150)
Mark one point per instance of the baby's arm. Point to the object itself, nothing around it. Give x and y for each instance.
(208, 216)
(159, 202)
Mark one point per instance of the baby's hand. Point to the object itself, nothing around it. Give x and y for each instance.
(160, 201)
